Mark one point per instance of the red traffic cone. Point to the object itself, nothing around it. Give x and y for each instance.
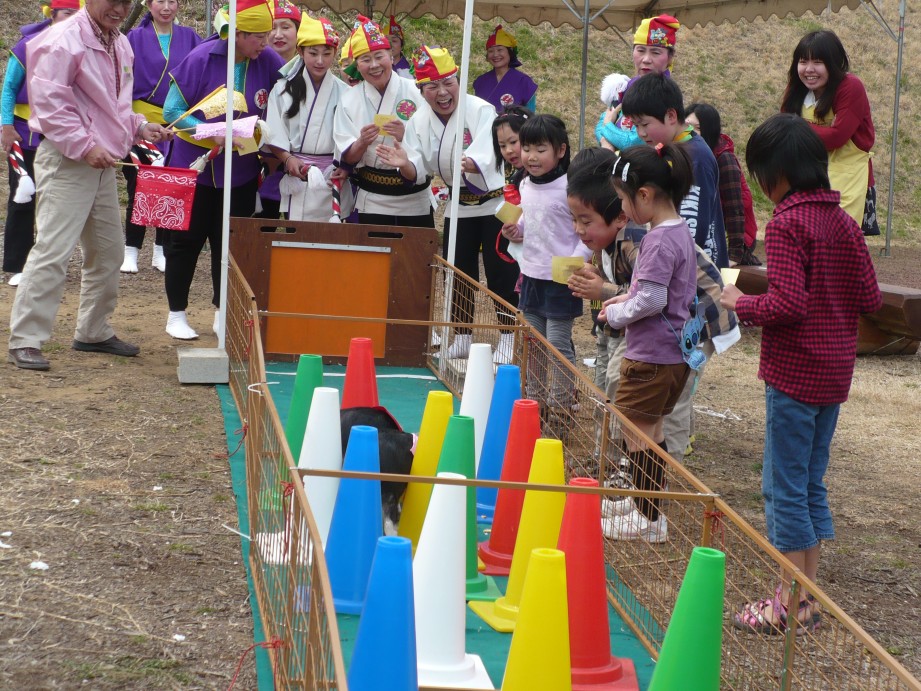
(593, 666)
(360, 389)
(523, 431)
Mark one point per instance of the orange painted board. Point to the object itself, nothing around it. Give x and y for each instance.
(342, 281)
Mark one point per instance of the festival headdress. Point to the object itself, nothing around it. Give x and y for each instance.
(366, 38)
(501, 37)
(431, 64)
(661, 31)
(287, 10)
(317, 32)
(395, 29)
(253, 17)
(49, 6)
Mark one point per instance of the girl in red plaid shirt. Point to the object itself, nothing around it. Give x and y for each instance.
(820, 279)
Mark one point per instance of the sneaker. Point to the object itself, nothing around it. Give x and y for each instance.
(130, 265)
(459, 348)
(612, 508)
(177, 326)
(505, 350)
(635, 526)
(15, 279)
(159, 260)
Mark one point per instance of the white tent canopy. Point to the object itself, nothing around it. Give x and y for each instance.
(621, 14)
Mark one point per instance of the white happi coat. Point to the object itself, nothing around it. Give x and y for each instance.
(429, 143)
(310, 132)
(357, 108)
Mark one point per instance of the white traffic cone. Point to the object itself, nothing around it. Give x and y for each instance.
(322, 449)
(439, 584)
(478, 385)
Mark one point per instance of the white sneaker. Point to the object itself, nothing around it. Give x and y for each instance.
(177, 326)
(15, 279)
(505, 350)
(158, 261)
(216, 326)
(459, 348)
(635, 526)
(612, 508)
(130, 265)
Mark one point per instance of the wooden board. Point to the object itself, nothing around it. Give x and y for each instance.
(341, 270)
(894, 329)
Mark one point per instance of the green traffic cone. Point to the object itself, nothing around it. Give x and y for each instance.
(458, 455)
(309, 376)
(690, 655)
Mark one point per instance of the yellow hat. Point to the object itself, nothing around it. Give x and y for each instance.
(657, 31)
(501, 37)
(317, 32)
(432, 64)
(367, 37)
(49, 6)
(253, 17)
(346, 47)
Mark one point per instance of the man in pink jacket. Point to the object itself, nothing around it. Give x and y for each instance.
(80, 76)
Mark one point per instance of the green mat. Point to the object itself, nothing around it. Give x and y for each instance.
(403, 392)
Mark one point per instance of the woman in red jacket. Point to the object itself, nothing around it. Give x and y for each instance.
(833, 100)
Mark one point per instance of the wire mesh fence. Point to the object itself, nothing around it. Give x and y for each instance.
(644, 576)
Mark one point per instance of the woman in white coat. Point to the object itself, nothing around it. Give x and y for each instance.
(427, 148)
(300, 116)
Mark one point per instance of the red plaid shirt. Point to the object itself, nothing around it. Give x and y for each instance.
(820, 278)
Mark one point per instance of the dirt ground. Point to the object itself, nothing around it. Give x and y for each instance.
(115, 476)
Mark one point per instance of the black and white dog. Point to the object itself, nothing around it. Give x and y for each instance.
(396, 454)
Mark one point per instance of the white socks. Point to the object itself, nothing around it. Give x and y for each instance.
(15, 279)
(217, 322)
(177, 326)
(130, 265)
(459, 348)
(505, 350)
(159, 261)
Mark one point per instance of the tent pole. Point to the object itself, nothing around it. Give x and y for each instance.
(887, 251)
(586, 21)
(228, 163)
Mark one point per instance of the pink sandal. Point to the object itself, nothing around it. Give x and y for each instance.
(752, 618)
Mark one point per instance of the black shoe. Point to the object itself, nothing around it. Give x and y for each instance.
(113, 346)
(28, 358)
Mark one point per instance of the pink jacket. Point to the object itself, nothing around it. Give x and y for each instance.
(72, 90)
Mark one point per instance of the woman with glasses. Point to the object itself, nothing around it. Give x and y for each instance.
(428, 147)
(159, 45)
(376, 111)
(204, 70)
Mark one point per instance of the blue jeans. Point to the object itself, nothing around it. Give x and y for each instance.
(796, 447)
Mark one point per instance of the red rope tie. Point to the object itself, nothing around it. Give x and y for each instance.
(249, 324)
(717, 527)
(242, 434)
(268, 645)
(287, 491)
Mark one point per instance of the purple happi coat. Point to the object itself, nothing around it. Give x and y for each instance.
(151, 67)
(514, 89)
(30, 139)
(204, 70)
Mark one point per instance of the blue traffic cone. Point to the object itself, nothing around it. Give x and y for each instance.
(384, 658)
(356, 525)
(506, 391)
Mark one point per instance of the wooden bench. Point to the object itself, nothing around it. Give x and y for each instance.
(894, 329)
